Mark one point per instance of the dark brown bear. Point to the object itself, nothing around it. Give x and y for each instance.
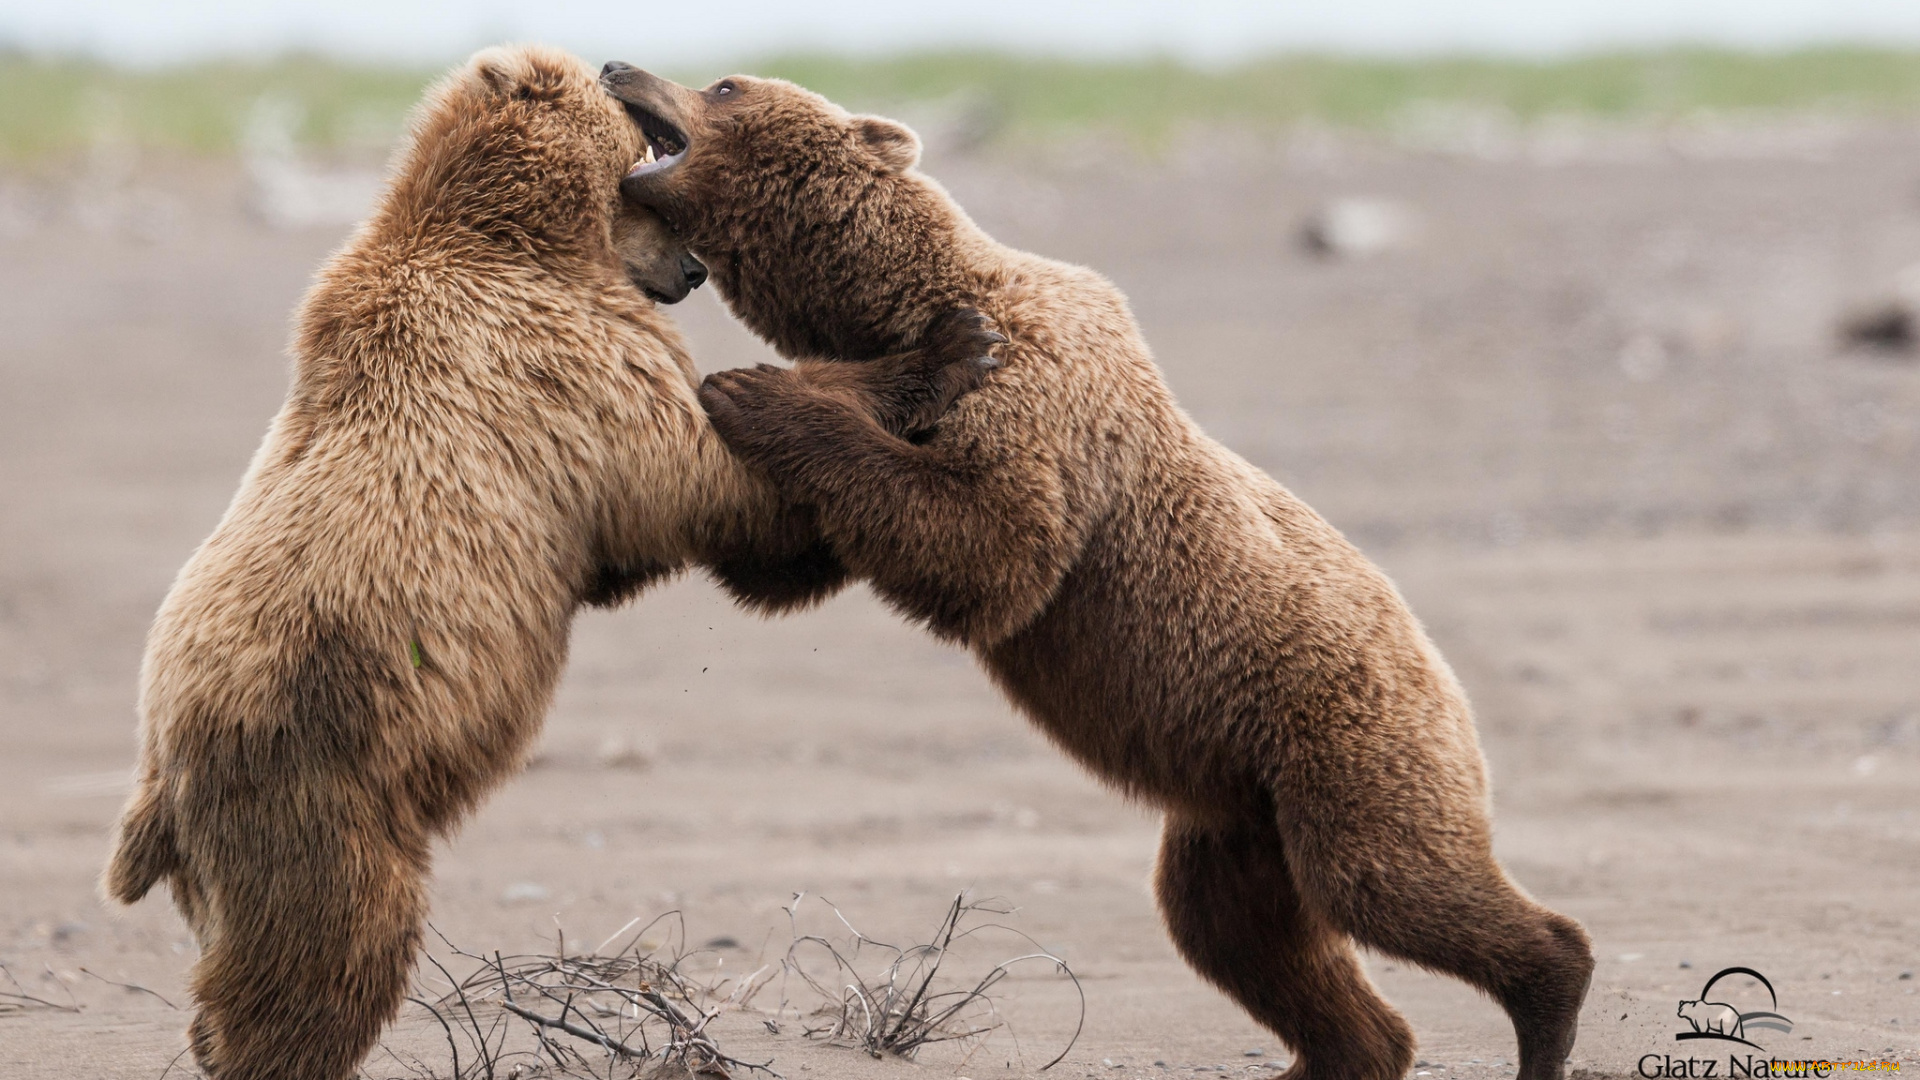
(488, 427)
(1165, 612)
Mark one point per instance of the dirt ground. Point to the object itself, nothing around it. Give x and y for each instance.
(1588, 412)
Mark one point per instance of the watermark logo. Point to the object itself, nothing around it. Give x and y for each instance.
(1721, 1021)
(1710, 1019)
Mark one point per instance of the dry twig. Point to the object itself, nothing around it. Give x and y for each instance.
(132, 988)
(590, 1015)
(20, 1001)
(634, 1013)
(902, 1007)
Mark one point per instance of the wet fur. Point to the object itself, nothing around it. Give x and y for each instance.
(1162, 610)
(488, 427)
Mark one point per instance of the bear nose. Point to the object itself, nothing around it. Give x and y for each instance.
(693, 270)
(613, 66)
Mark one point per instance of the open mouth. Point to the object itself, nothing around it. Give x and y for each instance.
(665, 144)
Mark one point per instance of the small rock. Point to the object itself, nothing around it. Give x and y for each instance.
(1889, 323)
(1906, 974)
(724, 941)
(1686, 963)
(1888, 326)
(1358, 228)
(1255, 1052)
(524, 891)
(620, 752)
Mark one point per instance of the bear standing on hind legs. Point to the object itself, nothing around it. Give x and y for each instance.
(1166, 613)
(488, 427)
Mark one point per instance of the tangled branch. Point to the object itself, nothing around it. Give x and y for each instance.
(902, 1006)
(615, 1016)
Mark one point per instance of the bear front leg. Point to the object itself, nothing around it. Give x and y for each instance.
(908, 393)
(778, 566)
(967, 534)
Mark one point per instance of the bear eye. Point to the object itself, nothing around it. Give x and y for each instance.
(725, 89)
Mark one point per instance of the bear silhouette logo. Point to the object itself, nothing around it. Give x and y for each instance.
(1712, 1017)
(1719, 1020)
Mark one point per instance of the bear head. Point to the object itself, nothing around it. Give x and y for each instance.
(522, 147)
(812, 218)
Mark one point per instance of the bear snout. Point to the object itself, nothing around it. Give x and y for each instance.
(694, 271)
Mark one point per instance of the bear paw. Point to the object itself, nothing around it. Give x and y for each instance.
(751, 408)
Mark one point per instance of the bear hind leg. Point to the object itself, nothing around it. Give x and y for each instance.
(304, 964)
(1231, 906)
(1456, 912)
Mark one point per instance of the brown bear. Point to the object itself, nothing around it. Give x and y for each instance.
(488, 426)
(1166, 613)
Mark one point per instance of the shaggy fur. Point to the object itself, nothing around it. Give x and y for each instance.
(1166, 613)
(487, 427)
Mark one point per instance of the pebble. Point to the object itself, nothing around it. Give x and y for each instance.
(621, 752)
(1358, 228)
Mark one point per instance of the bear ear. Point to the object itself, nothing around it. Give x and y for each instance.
(894, 143)
(500, 69)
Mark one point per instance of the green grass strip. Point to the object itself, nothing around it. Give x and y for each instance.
(58, 105)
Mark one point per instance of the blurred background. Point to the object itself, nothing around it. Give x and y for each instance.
(1593, 322)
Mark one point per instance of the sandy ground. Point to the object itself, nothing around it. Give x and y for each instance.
(1590, 417)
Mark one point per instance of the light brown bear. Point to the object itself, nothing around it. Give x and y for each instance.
(1165, 612)
(488, 426)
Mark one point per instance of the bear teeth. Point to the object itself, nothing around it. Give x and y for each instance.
(646, 157)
